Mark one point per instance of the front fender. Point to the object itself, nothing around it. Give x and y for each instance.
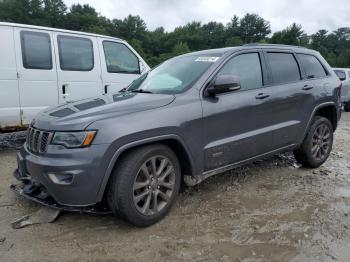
(118, 150)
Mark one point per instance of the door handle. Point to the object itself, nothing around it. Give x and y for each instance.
(106, 89)
(64, 89)
(262, 96)
(307, 87)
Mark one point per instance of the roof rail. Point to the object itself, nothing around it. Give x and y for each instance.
(274, 45)
(56, 29)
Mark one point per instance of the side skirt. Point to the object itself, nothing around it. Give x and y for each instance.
(196, 179)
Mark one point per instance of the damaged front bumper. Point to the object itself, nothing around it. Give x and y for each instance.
(37, 193)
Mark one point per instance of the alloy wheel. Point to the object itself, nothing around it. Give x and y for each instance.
(154, 185)
(321, 141)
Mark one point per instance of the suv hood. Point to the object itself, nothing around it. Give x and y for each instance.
(79, 114)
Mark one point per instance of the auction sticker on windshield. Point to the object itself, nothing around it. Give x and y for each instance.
(210, 59)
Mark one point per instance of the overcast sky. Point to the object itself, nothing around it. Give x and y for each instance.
(311, 14)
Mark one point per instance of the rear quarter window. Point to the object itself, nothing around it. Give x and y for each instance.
(311, 66)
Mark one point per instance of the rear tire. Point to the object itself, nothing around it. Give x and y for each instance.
(347, 107)
(317, 144)
(144, 184)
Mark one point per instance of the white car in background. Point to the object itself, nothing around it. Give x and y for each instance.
(42, 67)
(344, 76)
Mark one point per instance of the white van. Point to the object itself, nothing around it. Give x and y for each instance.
(41, 67)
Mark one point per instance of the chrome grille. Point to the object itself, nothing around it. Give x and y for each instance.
(37, 140)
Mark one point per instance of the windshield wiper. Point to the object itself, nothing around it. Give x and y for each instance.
(141, 91)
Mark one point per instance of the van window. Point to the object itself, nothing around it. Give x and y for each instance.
(284, 67)
(76, 53)
(248, 68)
(312, 67)
(119, 58)
(36, 50)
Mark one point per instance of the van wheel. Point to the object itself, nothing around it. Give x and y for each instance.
(347, 106)
(144, 185)
(317, 144)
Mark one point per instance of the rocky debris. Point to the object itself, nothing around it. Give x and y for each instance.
(12, 140)
(337, 155)
(2, 240)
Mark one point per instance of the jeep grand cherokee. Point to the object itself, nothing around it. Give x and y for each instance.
(191, 117)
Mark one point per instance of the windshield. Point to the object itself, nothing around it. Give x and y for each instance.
(173, 76)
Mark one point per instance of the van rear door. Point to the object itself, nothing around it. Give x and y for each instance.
(9, 95)
(120, 65)
(78, 67)
(36, 71)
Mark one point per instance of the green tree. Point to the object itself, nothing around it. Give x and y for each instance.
(190, 34)
(234, 41)
(232, 28)
(81, 16)
(292, 35)
(158, 45)
(157, 40)
(180, 49)
(55, 11)
(319, 39)
(131, 27)
(343, 59)
(213, 35)
(22, 11)
(253, 28)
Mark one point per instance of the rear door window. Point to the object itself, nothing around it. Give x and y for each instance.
(120, 59)
(76, 53)
(36, 50)
(312, 66)
(248, 68)
(284, 67)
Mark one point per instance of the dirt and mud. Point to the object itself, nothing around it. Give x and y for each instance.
(272, 210)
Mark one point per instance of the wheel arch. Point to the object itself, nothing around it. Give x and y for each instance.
(172, 141)
(328, 111)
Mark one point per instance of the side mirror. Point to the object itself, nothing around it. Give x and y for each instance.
(223, 84)
(340, 74)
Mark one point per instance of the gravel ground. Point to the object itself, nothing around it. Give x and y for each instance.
(271, 210)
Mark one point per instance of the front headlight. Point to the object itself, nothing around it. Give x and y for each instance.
(74, 139)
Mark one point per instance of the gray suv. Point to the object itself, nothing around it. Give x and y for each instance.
(191, 117)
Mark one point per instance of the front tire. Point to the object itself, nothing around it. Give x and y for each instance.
(317, 144)
(145, 184)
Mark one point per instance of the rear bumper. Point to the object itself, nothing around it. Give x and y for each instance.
(84, 166)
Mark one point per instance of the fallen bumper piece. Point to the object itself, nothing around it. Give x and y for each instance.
(43, 215)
